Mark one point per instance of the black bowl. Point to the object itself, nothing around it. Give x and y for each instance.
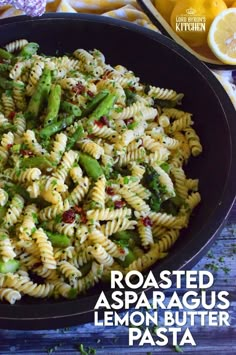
(159, 61)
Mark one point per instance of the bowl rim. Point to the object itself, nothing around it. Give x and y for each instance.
(49, 315)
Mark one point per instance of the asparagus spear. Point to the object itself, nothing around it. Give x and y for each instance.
(53, 105)
(94, 103)
(75, 137)
(4, 67)
(126, 236)
(6, 84)
(40, 162)
(9, 266)
(28, 50)
(39, 95)
(58, 240)
(73, 293)
(91, 166)
(7, 127)
(3, 211)
(103, 108)
(86, 268)
(5, 54)
(70, 108)
(56, 127)
(13, 189)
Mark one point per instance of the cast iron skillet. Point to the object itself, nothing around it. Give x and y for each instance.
(159, 61)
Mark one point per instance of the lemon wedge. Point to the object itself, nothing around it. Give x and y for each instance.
(222, 36)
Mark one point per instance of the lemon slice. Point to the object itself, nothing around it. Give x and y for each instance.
(222, 36)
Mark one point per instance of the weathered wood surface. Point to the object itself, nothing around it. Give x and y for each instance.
(114, 340)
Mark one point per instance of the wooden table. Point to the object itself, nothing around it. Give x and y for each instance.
(114, 340)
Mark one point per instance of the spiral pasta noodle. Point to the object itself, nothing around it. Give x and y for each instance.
(101, 256)
(9, 295)
(68, 159)
(8, 103)
(45, 249)
(71, 273)
(59, 147)
(98, 192)
(31, 141)
(22, 284)
(20, 123)
(14, 211)
(3, 197)
(31, 174)
(6, 247)
(28, 225)
(16, 45)
(164, 94)
(34, 76)
(19, 95)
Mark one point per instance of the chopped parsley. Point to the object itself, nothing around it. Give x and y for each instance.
(53, 349)
(178, 349)
(212, 267)
(130, 97)
(166, 167)
(152, 182)
(226, 269)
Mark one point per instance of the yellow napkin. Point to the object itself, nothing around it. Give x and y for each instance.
(122, 9)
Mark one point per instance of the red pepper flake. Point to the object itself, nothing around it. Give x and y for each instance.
(9, 146)
(119, 204)
(77, 209)
(129, 121)
(11, 115)
(78, 89)
(121, 250)
(68, 216)
(104, 120)
(110, 191)
(91, 136)
(90, 93)
(81, 212)
(99, 123)
(146, 221)
(83, 217)
(132, 88)
(26, 152)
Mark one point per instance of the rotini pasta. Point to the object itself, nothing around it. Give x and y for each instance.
(19, 95)
(92, 173)
(6, 248)
(45, 249)
(9, 295)
(28, 226)
(8, 103)
(16, 45)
